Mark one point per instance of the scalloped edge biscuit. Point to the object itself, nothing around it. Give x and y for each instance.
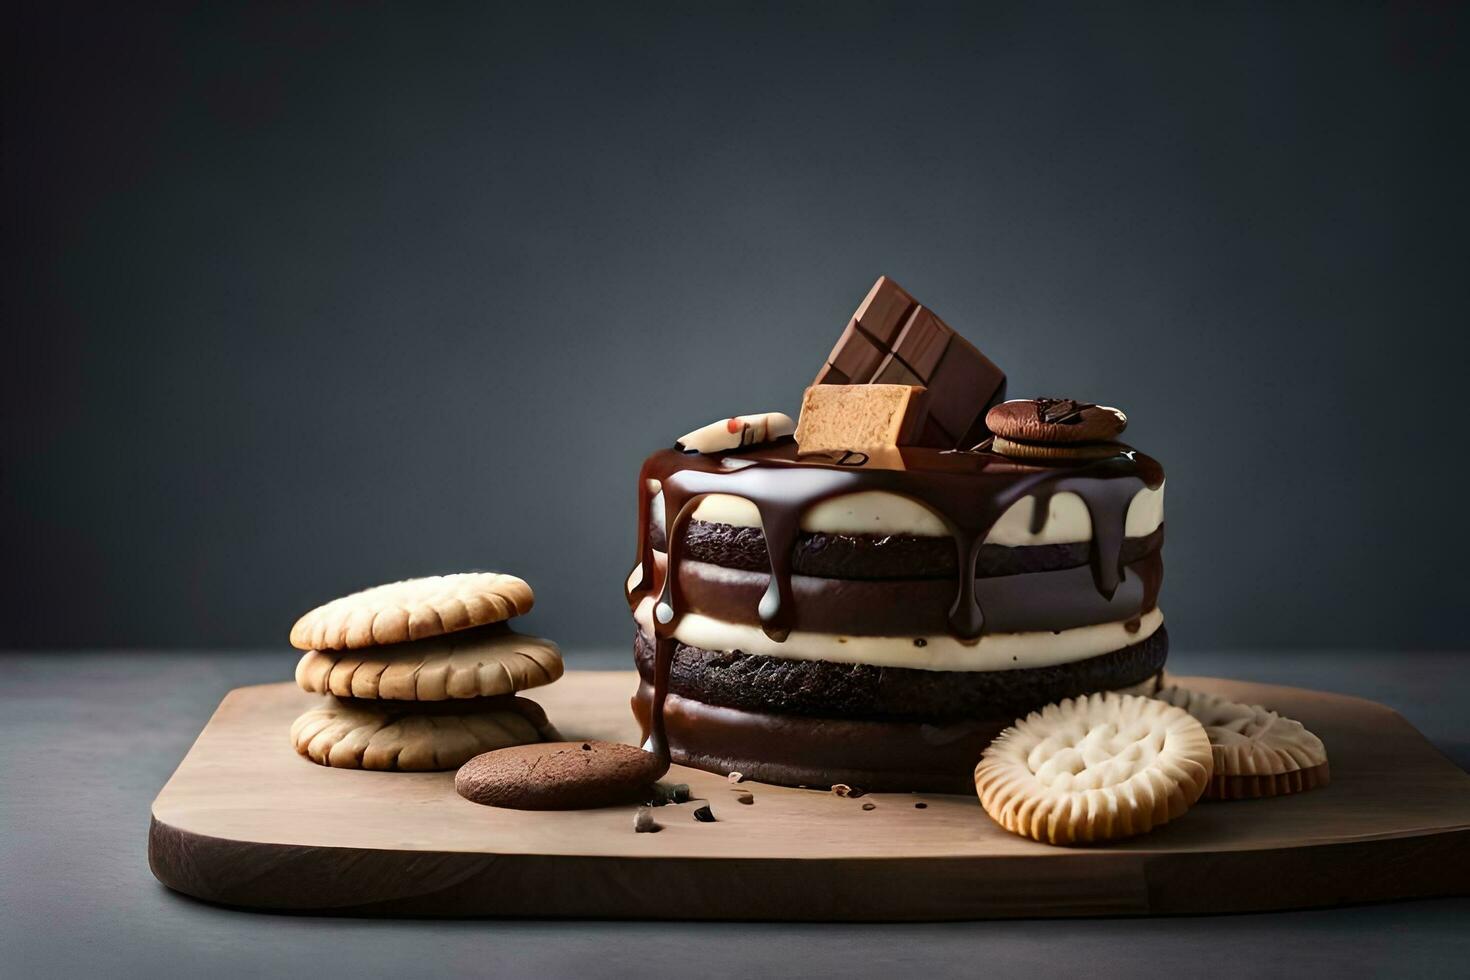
(396, 739)
(482, 663)
(412, 609)
(1094, 768)
(1257, 752)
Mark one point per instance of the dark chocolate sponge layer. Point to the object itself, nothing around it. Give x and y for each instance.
(791, 750)
(823, 689)
(1039, 602)
(875, 556)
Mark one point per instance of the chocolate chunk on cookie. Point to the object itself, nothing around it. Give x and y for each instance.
(560, 776)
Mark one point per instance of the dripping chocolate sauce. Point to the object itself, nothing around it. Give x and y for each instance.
(967, 491)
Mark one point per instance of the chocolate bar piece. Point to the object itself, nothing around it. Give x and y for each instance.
(891, 339)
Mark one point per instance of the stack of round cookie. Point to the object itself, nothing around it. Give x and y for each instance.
(422, 674)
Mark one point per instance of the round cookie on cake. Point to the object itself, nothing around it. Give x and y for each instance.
(872, 600)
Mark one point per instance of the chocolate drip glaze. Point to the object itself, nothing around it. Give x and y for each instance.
(967, 491)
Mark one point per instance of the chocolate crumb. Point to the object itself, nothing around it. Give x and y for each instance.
(746, 798)
(735, 777)
(921, 806)
(921, 642)
(870, 806)
(704, 815)
(586, 747)
(643, 822)
(666, 793)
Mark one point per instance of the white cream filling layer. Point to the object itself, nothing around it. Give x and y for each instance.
(995, 651)
(878, 512)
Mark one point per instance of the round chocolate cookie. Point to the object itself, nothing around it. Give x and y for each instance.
(560, 776)
(883, 556)
(816, 688)
(1055, 420)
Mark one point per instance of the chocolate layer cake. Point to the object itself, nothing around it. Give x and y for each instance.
(872, 601)
(807, 621)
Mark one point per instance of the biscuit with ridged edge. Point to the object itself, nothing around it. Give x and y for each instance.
(1094, 768)
(412, 610)
(484, 662)
(1257, 752)
(409, 737)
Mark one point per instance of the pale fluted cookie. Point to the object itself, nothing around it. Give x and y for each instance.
(484, 662)
(409, 737)
(1094, 768)
(1256, 751)
(411, 610)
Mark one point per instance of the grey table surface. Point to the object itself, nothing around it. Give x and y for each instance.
(88, 738)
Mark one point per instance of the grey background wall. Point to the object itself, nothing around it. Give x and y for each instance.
(302, 298)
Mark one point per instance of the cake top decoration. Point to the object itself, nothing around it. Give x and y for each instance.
(735, 432)
(892, 339)
(841, 418)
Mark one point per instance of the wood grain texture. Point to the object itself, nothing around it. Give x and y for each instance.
(244, 821)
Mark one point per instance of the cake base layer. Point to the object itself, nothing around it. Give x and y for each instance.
(792, 750)
(817, 688)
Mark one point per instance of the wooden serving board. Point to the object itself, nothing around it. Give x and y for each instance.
(245, 821)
